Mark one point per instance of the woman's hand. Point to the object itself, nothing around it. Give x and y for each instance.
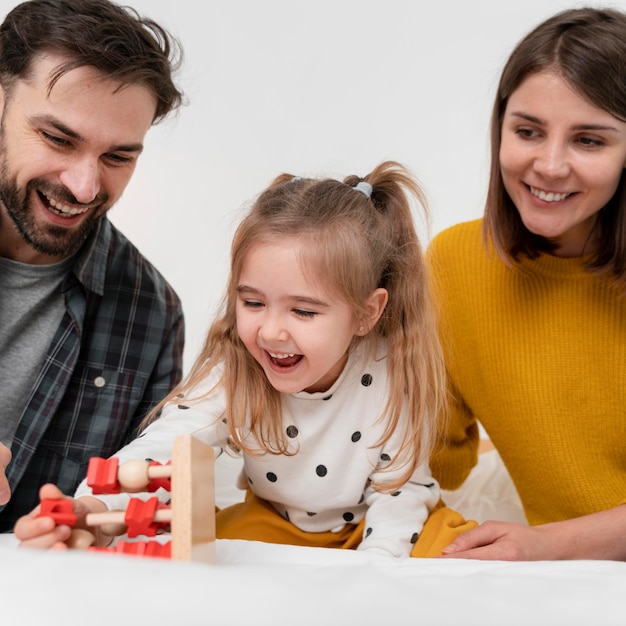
(596, 536)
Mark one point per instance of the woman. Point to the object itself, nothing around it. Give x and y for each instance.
(531, 298)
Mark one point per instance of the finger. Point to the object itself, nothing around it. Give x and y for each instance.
(474, 538)
(50, 492)
(5, 459)
(484, 553)
(5, 490)
(42, 534)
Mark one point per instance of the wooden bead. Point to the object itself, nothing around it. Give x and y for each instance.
(133, 476)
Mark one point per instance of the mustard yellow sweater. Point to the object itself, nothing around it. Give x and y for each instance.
(537, 355)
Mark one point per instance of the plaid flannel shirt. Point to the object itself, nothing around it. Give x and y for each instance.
(116, 353)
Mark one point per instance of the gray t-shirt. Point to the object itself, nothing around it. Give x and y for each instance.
(31, 308)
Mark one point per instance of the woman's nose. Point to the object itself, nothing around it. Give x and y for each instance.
(552, 161)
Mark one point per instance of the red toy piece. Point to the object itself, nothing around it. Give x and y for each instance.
(139, 548)
(160, 481)
(59, 510)
(102, 475)
(140, 517)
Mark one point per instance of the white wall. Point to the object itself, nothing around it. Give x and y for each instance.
(330, 87)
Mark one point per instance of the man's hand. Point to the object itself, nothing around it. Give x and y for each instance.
(5, 459)
(43, 532)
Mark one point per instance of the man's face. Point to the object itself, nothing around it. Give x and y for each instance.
(66, 156)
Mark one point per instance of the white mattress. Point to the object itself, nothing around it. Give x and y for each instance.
(256, 583)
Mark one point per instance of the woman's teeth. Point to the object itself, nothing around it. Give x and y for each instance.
(548, 196)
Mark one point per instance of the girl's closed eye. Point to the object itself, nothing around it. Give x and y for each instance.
(304, 313)
(252, 304)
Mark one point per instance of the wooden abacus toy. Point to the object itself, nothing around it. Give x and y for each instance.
(190, 515)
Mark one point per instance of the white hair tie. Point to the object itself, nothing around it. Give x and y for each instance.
(365, 188)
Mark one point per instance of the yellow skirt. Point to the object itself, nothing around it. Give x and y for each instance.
(257, 520)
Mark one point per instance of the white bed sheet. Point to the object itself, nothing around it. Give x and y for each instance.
(256, 583)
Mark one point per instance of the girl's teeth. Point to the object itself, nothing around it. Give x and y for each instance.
(548, 197)
(280, 356)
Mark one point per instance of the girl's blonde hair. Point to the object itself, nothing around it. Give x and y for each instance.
(355, 244)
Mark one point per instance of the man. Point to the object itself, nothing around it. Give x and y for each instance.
(91, 335)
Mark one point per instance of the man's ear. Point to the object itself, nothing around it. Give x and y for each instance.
(375, 305)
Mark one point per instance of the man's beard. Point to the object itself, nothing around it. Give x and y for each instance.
(48, 239)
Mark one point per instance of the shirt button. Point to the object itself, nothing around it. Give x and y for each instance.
(99, 381)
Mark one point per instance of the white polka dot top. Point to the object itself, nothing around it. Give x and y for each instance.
(326, 484)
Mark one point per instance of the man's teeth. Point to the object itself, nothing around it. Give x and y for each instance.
(280, 356)
(63, 209)
(549, 196)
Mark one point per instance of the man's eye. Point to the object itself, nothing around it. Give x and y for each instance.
(120, 159)
(57, 141)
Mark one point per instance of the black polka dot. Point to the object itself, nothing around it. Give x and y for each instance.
(224, 421)
(271, 477)
(355, 436)
(396, 493)
(348, 516)
(311, 514)
(321, 470)
(292, 432)
(327, 397)
(414, 537)
(385, 457)
(366, 380)
(182, 407)
(368, 532)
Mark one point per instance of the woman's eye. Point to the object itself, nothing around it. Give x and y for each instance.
(589, 142)
(526, 133)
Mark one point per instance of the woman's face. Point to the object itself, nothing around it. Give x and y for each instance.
(561, 159)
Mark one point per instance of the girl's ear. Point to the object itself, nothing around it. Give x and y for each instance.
(375, 305)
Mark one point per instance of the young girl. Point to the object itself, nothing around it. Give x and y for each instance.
(323, 369)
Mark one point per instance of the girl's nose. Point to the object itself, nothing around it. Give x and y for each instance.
(273, 328)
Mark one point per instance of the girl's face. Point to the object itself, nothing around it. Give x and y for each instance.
(296, 330)
(561, 159)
